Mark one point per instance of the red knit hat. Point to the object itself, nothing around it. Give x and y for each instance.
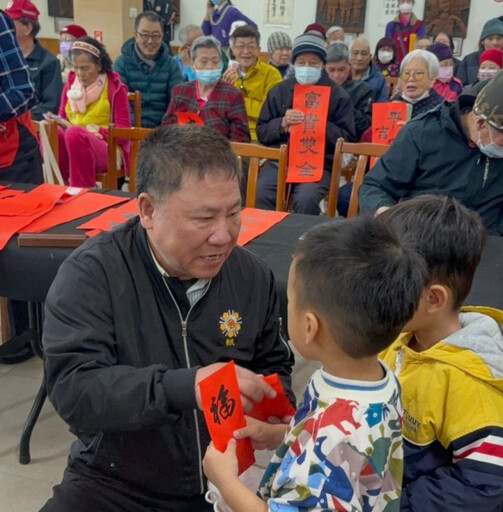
(73, 30)
(21, 9)
(318, 27)
(494, 55)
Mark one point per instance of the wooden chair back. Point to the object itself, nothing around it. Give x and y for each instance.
(52, 134)
(255, 153)
(391, 82)
(114, 172)
(363, 151)
(135, 98)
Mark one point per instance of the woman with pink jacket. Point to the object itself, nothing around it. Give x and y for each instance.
(92, 98)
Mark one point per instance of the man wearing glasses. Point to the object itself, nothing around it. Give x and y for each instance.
(250, 75)
(146, 66)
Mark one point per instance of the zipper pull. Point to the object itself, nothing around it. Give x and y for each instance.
(184, 328)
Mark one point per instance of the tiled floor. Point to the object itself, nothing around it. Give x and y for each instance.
(26, 488)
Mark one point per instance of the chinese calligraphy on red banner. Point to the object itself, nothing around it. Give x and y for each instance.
(307, 139)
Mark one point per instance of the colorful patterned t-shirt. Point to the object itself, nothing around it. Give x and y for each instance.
(342, 451)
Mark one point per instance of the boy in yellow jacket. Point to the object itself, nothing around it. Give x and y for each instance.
(449, 362)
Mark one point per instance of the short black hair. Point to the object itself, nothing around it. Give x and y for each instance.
(105, 62)
(361, 279)
(172, 151)
(35, 25)
(448, 235)
(150, 16)
(245, 31)
(451, 39)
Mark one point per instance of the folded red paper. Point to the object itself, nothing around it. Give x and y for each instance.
(223, 412)
(279, 406)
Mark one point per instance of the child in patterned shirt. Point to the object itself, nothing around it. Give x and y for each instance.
(352, 286)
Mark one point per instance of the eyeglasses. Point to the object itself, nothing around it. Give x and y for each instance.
(417, 74)
(145, 37)
(242, 47)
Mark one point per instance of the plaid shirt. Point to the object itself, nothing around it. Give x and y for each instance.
(17, 94)
(224, 111)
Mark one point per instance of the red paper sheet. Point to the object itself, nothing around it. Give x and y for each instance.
(387, 119)
(306, 153)
(111, 218)
(78, 207)
(278, 407)
(254, 222)
(223, 412)
(9, 192)
(188, 118)
(22, 209)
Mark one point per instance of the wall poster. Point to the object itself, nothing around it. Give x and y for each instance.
(349, 14)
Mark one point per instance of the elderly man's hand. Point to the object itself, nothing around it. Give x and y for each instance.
(230, 75)
(292, 116)
(251, 385)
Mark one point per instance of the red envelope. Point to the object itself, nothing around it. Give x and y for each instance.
(279, 406)
(223, 412)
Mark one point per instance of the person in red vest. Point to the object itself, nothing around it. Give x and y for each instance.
(403, 26)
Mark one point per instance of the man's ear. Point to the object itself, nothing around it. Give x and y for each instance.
(146, 207)
(312, 327)
(436, 296)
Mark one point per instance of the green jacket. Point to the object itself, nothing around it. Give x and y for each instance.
(154, 84)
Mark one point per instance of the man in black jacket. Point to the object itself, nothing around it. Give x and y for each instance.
(455, 149)
(138, 316)
(361, 94)
(277, 116)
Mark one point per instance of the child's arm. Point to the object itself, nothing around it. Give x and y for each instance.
(264, 436)
(471, 483)
(222, 470)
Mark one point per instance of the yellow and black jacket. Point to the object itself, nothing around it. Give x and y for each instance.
(453, 417)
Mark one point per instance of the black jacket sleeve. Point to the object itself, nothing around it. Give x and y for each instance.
(88, 387)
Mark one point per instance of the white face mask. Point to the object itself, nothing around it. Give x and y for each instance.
(384, 56)
(485, 74)
(405, 8)
(307, 75)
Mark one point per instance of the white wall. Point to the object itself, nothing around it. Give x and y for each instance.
(304, 13)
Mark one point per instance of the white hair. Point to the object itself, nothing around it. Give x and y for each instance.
(332, 29)
(429, 58)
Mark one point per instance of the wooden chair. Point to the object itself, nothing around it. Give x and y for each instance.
(391, 82)
(110, 178)
(52, 134)
(256, 152)
(363, 151)
(135, 98)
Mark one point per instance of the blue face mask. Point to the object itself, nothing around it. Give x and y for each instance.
(208, 76)
(215, 2)
(492, 150)
(64, 48)
(307, 75)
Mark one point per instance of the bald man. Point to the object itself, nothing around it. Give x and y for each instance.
(362, 68)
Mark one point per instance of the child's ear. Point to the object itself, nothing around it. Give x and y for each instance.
(437, 297)
(312, 326)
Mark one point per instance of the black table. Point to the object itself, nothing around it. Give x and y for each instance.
(26, 273)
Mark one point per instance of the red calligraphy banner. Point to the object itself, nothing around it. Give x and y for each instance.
(223, 412)
(111, 218)
(188, 118)
(254, 222)
(387, 119)
(306, 152)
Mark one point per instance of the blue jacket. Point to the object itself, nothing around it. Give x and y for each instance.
(376, 80)
(154, 84)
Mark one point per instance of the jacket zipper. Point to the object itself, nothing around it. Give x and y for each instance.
(486, 173)
(187, 360)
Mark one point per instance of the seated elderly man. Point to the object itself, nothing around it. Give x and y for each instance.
(277, 116)
(361, 94)
(145, 65)
(455, 149)
(418, 72)
(362, 68)
(279, 48)
(219, 104)
(251, 76)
